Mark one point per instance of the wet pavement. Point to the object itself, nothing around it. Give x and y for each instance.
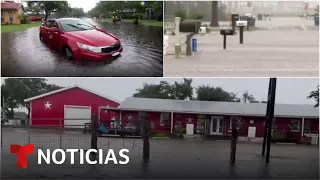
(286, 47)
(178, 159)
(22, 54)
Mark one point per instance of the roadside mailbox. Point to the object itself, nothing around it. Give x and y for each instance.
(191, 27)
(241, 25)
(225, 33)
(234, 18)
(203, 30)
(251, 21)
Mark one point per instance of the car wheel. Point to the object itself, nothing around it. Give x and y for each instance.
(68, 53)
(40, 37)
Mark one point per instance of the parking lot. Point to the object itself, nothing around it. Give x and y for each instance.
(168, 159)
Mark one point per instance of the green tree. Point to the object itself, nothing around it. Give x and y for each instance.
(16, 90)
(9, 89)
(165, 90)
(49, 6)
(246, 97)
(77, 12)
(208, 93)
(106, 8)
(315, 95)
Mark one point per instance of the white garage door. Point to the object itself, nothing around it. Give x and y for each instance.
(76, 116)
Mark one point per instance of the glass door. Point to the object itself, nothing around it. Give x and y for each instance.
(216, 125)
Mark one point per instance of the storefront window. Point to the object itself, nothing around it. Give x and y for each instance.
(294, 125)
(165, 119)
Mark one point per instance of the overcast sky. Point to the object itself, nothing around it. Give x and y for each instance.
(289, 90)
(87, 5)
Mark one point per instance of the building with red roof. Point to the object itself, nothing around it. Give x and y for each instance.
(11, 12)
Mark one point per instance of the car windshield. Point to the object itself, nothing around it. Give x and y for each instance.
(69, 25)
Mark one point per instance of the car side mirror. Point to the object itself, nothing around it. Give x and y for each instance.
(54, 29)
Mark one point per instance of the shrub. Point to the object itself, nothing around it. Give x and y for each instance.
(24, 19)
(196, 16)
(181, 14)
(137, 15)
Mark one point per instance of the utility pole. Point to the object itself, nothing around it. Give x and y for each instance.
(271, 102)
(266, 123)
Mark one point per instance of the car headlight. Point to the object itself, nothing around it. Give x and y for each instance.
(89, 48)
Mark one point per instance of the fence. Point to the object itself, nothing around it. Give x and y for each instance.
(53, 133)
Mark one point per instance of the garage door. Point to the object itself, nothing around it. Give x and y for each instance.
(75, 115)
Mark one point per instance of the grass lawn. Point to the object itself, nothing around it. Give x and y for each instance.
(143, 22)
(18, 27)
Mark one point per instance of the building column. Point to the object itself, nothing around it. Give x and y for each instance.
(171, 122)
(120, 118)
(302, 126)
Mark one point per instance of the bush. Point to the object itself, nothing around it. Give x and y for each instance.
(196, 16)
(137, 15)
(24, 19)
(181, 14)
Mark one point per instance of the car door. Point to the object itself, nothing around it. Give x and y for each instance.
(54, 36)
(45, 30)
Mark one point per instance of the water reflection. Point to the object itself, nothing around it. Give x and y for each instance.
(23, 54)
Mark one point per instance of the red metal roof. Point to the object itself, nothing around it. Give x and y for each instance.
(10, 5)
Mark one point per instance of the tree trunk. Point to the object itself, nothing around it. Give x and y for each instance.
(47, 14)
(214, 14)
(28, 107)
(11, 112)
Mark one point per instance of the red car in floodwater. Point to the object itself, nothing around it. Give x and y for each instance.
(77, 39)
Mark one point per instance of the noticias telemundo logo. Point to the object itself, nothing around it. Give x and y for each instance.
(84, 155)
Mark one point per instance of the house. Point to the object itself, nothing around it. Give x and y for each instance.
(71, 107)
(11, 12)
(214, 118)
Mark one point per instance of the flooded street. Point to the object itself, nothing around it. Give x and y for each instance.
(23, 54)
(178, 159)
(287, 47)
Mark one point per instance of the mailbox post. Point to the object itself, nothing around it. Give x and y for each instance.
(241, 25)
(225, 33)
(192, 27)
(177, 32)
